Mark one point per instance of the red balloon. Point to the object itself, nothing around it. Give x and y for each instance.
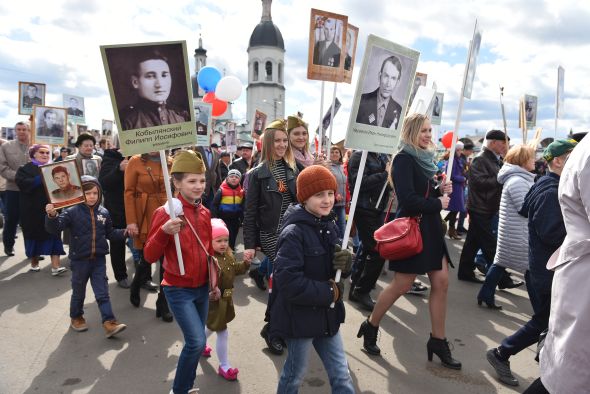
(447, 139)
(219, 106)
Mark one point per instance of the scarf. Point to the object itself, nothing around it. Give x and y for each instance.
(304, 158)
(38, 163)
(423, 157)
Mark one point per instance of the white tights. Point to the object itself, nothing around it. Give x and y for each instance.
(221, 347)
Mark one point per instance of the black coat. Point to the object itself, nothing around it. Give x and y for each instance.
(410, 188)
(302, 294)
(32, 200)
(374, 178)
(111, 179)
(263, 203)
(367, 113)
(484, 190)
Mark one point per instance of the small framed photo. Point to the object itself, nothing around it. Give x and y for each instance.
(437, 107)
(75, 106)
(30, 94)
(530, 110)
(381, 96)
(49, 125)
(91, 167)
(8, 133)
(352, 34)
(327, 34)
(81, 129)
(62, 183)
(150, 88)
(419, 80)
(231, 137)
(107, 127)
(259, 124)
(203, 122)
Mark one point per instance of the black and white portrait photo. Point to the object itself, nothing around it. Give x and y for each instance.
(81, 129)
(381, 96)
(90, 167)
(50, 125)
(231, 137)
(419, 80)
(473, 53)
(7, 133)
(351, 38)
(530, 110)
(437, 106)
(29, 94)
(203, 122)
(327, 50)
(107, 127)
(75, 107)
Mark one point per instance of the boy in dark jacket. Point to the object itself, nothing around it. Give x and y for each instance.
(308, 256)
(228, 204)
(90, 225)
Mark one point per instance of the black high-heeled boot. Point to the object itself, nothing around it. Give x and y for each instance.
(369, 332)
(162, 309)
(440, 347)
(141, 273)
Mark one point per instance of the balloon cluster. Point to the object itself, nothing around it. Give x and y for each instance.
(218, 90)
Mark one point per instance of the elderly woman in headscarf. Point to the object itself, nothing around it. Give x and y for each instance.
(33, 199)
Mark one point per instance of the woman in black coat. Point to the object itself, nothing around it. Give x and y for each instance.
(413, 172)
(33, 199)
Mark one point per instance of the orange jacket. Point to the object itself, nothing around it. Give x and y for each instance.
(160, 244)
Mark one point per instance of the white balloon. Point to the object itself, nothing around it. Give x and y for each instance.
(228, 88)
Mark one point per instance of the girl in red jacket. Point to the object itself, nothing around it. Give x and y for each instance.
(188, 294)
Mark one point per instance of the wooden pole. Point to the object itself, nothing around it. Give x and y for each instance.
(321, 118)
(331, 121)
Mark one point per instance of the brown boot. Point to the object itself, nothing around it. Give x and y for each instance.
(79, 324)
(113, 327)
(453, 233)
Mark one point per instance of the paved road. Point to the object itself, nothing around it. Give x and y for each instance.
(40, 354)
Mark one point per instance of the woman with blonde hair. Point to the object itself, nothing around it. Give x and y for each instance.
(299, 141)
(271, 190)
(413, 170)
(513, 235)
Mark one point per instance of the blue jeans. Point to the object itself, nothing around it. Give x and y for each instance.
(340, 212)
(488, 289)
(134, 252)
(96, 271)
(330, 350)
(265, 267)
(189, 306)
(11, 218)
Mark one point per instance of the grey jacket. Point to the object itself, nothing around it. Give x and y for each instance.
(13, 154)
(513, 233)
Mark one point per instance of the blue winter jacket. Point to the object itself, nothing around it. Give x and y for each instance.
(90, 227)
(546, 228)
(301, 292)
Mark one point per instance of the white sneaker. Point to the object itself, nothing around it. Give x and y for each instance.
(58, 271)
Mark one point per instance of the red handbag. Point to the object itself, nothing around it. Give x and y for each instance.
(400, 238)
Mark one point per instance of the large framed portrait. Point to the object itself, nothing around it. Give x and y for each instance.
(203, 122)
(30, 94)
(107, 127)
(327, 50)
(149, 84)
(381, 96)
(258, 124)
(419, 80)
(62, 183)
(351, 38)
(75, 107)
(91, 167)
(49, 125)
(437, 107)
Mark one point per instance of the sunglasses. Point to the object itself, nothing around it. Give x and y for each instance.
(43, 152)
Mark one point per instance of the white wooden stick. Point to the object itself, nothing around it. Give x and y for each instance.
(331, 121)
(321, 119)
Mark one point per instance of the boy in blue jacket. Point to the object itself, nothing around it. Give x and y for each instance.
(303, 291)
(90, 225)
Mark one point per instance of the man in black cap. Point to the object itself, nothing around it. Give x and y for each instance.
(483, 204)
(246, 162)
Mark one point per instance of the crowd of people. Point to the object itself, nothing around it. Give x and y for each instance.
(291, 207)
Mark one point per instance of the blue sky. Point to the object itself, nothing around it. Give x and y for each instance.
(523, 43)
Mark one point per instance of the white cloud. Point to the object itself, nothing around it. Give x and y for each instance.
(58, 43)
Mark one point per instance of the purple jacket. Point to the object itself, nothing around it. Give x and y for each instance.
(457, 202)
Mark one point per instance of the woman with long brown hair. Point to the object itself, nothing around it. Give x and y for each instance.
(413, 172)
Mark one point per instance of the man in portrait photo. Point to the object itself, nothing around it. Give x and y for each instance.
(378, 108)
(417, 84)
(66, 190)
(74, 108)
(349, 43)
(50, 125)
(31, 98)
(326, 51)
(529, 108)
(151, 80)
(90, 167)
(436, 106)
(201, 128)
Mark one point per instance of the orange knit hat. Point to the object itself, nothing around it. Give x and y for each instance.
(314, 179)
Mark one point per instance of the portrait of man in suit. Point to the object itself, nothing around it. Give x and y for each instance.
(326, 51)
(74, 108)
(378, 108)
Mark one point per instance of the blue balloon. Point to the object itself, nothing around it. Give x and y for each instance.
(208, 77)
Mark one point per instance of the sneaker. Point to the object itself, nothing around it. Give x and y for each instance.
(113, 327)
(124, 283)
(230, 374)
(207, 351)
(418, 288)
(79, 324)
(35, 269)
(58, 271)
(502, 368)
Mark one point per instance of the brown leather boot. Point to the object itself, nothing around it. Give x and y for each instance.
(453, 233)
(79, 324)
(113, 327)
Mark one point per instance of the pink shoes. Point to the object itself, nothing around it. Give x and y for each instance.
(230, 374)
(207, 351)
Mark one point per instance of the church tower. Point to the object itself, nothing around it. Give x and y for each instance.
(200, 62)
(266, 60)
